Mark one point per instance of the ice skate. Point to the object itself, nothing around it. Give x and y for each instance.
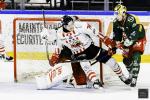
(9, 58)
(127, 81)
(6, 58)
(97, 84)
(133, 82)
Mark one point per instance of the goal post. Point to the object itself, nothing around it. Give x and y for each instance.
(29, 49)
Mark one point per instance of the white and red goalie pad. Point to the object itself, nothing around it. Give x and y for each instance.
(53, 77)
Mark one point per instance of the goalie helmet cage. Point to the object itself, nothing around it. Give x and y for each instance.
(21, 50)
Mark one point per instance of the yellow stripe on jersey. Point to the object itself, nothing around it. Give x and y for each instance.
(140, 28)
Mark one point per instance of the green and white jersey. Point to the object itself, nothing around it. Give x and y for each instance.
(128, 29)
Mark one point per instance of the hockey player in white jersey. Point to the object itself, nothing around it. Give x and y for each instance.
(76, 36)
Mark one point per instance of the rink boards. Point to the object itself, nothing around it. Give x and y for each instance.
(25, 25)
(11, 23)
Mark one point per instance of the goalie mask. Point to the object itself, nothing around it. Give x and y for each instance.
(120, 12)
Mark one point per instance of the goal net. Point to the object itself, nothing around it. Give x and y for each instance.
(30, 58)
(29, 49)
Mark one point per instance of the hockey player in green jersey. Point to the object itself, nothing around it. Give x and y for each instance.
(129, 35)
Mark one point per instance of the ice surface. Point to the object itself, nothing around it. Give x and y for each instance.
(27, 91)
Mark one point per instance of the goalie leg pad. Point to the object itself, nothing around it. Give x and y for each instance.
(54, 76)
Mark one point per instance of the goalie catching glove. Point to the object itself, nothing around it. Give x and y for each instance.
(44, 33)
(48, 35)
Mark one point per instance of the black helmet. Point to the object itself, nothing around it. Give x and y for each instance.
(66, 19)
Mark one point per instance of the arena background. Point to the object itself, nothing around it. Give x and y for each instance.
(8, 19)
(21, 22)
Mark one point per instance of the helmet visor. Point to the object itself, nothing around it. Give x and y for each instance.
(118, 15)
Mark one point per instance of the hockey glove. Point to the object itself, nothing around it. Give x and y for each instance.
(109, 42)
(54, 59)
(44, 34)
(128, 42)
(112, 51)
(106, 40)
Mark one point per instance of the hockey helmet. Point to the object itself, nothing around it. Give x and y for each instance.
(120, 10)
(68, 22)
(66, 19)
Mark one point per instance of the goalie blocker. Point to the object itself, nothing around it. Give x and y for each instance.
(53, 77)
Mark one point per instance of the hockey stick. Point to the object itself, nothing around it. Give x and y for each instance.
(74, 61)
(43, 12)
(46, 42)
(85, 60)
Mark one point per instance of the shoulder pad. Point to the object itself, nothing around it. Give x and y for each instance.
(137, 19)
(130, 18)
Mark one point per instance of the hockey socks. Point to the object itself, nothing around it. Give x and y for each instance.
(91, 75)
(117, 69)
(3, 54)
(2, 50)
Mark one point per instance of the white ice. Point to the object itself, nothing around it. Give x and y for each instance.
(27, 91)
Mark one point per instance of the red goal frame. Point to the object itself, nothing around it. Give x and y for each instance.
(48, 19)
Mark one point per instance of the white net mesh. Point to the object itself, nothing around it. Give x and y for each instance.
(30, 51)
